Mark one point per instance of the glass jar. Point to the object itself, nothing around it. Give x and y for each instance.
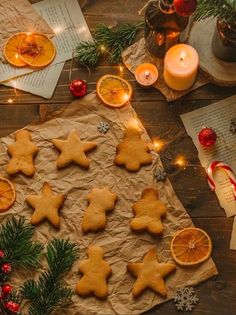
(224, 41)
(163, 27)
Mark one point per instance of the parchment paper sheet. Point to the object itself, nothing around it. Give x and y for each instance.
(19, 16)
(121, 245)
(137, 54)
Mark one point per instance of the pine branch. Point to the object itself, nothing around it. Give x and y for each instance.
(49, 292)
(113, 40)
(15, 241)
(222, 9)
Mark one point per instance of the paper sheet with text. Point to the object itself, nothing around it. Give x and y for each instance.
(217, 116)
(67, 21)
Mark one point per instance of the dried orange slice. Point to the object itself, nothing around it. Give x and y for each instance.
(7, 194)
(113, 90)
(37, 50)
(12, 48)
(191, 246)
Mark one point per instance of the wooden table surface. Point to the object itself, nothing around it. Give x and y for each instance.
(162, 119)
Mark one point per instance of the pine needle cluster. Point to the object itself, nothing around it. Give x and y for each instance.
(17, 245)
(108, 42)
(221, 9)
(49, 291)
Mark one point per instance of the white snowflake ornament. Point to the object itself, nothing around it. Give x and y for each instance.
(103, 127)
(185, 299)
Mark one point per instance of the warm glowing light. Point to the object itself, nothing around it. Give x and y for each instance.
(134, 123)
(57, 30)
(10, 101)
(28, 33)
(158, 144)
(126, 97)
(103, 48)
(182, 55)
(16, 56)
(147, 74)
(180, 161)
(121, 68)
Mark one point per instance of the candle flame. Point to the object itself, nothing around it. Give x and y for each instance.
(147, 74)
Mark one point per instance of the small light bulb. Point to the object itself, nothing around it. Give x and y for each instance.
(180, 161)
(10, 101)
(158, 144)
(121, 69)
(102, 48)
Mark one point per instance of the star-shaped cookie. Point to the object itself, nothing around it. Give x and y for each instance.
(73, 150)
(22, 153)
(46, 206)
(150, 274)
(148, 213)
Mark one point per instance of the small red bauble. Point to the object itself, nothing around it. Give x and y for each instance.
(185, 7)
(6, 268)
(207, 137)
(2, 254)
(6, 289)
(12, 306)
(78, 88)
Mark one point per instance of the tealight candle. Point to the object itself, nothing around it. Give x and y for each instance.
(146, 74)
(180, 67)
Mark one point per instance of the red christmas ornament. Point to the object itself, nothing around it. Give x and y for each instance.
(78, 88)
(6, 268)
(6, 289)
(12, 306)
(185, 7)
(207, 137)
(2, 254)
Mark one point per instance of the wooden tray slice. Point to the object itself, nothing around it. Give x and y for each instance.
(220, 72)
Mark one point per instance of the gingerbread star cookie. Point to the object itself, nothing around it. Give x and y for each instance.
(46, 206)
(73, 150)
(100, 201)
(150, 274)
(95, 272)
(132, 152)
(148, 213)
(22, 153)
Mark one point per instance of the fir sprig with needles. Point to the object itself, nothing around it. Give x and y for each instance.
(109, 42)
(49, 291)
(221, 9)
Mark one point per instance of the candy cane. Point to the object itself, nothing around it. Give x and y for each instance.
(228, 170)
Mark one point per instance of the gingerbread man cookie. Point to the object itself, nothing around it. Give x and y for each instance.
(148, 213)
(22, 153)
(150, 274)
(132, 152)
(100, 201)
(73, 150)
(95, 272)
(46, 206)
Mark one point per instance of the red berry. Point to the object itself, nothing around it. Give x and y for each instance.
(78, 88)
(6, 289)
(185, 7)
(2, 254)
(6, 268)
(207, 137)
(12, 306)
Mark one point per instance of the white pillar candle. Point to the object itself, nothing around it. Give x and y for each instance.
(180, 67)
(146, 74)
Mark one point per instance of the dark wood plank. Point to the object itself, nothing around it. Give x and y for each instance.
(161, 119)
